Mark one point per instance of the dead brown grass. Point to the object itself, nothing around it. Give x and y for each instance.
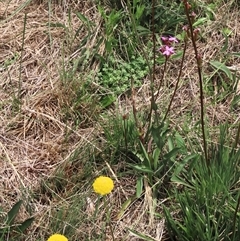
(33, 128)
(32, 131)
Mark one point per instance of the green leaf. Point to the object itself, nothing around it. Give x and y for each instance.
(227, 31)
(11, 215)
(142, 168)
(26, 224)
(170, 143)
(82, 18)
(172, 225)
(221, 66)
(181, 165)
(180, 181)
(141, 236)
(107, 100)
(146, 159)
(124, 207)
(142, 30)
(200, 21)
(85, 21)
(156, 154)
(19, 9)
(177, 55)
(179, 140)
(159, 135)
(170, 155)
(139, 11)
(57, 25)
(236, 54)
(235, 102)
(139, 186)
(210, 11)
(108, 45)
(226, 34)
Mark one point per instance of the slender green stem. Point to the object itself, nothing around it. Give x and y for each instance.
(199, 68)
(152, 74)
(162, 79)
(108, 217)
(22, 49)
(125, 132)
(137, 38)
(154, 55)
(96, 209)
(49, 22)
(178, 79)
(135, 114)
(235, 217)
(237, 137)
(154, 99)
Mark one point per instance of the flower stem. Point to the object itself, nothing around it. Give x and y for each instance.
(178, 79)
(108, 217)
(199, 68)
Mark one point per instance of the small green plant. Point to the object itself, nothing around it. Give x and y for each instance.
(156, 161)
(116, 76)
(111, 21)
(9, 228)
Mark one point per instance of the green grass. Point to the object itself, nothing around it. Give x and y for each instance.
(105, 109)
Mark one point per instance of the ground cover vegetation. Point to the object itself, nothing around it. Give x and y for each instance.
(119, 120)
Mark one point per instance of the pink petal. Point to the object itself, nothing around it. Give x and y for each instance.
(173, 39)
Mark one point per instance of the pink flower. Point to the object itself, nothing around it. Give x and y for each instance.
(168, 40)
(164, 40)
(166, 50)
(172, 40)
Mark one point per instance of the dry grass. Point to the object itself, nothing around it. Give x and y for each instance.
(32, 131)
(33, 127)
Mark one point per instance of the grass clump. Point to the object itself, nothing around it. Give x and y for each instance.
(214, 188)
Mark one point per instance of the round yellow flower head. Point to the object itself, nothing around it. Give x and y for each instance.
(57, 237)
(103, 185)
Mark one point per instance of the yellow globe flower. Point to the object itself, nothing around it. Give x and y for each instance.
(57, 237)
(103, 185)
